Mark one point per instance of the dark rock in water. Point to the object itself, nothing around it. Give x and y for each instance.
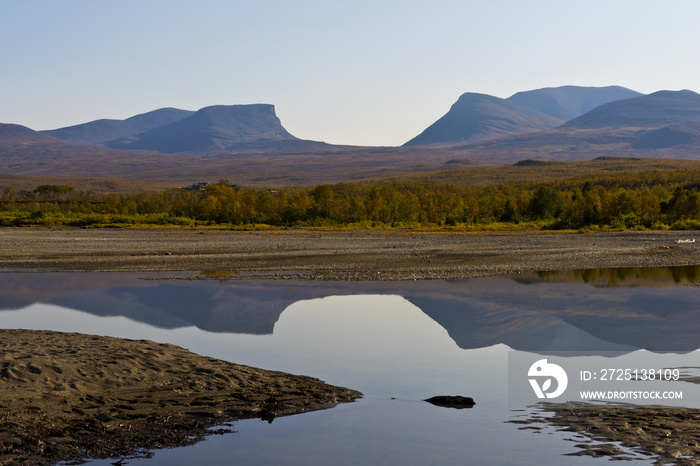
(448, 401)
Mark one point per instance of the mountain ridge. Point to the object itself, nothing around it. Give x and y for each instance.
(569, 102)
(661, 108)
(665, 124)
(170, 130)
(14, 135)
(476, 117)
(105, 131)
(214, 128)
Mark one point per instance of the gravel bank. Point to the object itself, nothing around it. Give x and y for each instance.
(333, 255)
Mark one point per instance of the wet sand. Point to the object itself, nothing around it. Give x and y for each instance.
(67, 396)
(338, 255)
(666, 435)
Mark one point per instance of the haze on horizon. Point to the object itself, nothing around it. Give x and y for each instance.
(362, 73)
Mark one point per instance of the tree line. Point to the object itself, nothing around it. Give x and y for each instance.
(644, 200)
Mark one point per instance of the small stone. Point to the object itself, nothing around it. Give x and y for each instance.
(452, 401)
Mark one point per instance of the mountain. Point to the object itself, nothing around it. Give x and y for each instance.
(477, 117)
(662, 108)
(260, 162)
(24, 151)
(18, 136)
(663, 124)
(569, 102)
(103, 132)
(259, 151)
(213, 129)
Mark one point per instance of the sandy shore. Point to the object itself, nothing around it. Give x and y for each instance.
(344, 255)
(666, 435)
(66, 396)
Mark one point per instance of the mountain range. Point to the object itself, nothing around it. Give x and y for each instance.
(569, 102)
(171, 130)
(661, 124)
(563, 123)
(104, 132)
(472, 314)
(478, 117)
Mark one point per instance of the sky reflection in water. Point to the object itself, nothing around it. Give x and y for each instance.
(398, 343)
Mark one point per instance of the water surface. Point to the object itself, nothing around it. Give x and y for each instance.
(397, 342)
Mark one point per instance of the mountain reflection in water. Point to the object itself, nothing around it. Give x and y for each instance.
(397, 342)
(591, 310)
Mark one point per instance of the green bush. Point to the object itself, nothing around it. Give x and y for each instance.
(687, 224)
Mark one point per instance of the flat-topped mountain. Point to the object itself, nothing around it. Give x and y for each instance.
(105, 131)
(212, 129)
(170, 130)
(476, 117)
(569, 102)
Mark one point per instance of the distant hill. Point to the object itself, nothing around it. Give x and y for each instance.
(104, 132)
(12, 135)
(662, 124)
(663, 108)
(247, 144)
(171, 130)
(568, 102)
(212, 129)
(477, 117)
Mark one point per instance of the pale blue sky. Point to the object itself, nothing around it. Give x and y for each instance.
(367, 72)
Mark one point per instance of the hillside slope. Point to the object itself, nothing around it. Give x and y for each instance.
(105, 131)
(18, 136)
(662, 108)
(477, 117)
(215, 128)
(569, 102)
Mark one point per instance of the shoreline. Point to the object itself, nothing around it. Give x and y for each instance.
(71, 396)
(664, 434)
(338, 255)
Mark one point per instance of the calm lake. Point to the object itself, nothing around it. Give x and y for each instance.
(398, 343)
